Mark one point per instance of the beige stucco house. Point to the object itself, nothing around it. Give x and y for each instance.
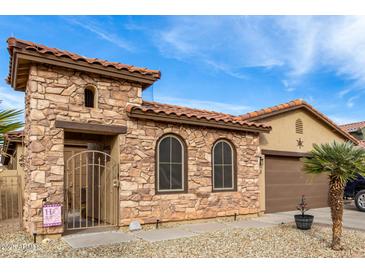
(92, 146)
(296, 126)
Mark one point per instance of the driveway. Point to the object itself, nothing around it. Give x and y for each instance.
(353, 218)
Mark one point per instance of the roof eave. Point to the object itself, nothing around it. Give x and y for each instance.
(313, 111)
(172, 118)
(34, 57)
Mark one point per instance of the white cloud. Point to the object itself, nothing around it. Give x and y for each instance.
(350, 102)
(342, 120)
(297, 45)
(101, 31)
(344, 92)
(10, 99)
(234, 109)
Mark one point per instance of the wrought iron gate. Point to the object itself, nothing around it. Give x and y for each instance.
(91, 190)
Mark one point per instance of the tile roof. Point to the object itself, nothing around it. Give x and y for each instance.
(44, 50)
(353, 126)
(269, 110)
(362, 143)
(14, 136)
(181, 112)
(297, 103)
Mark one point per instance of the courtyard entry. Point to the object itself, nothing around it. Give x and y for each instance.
(91, 182)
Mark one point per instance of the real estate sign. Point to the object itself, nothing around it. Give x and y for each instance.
(52, 215)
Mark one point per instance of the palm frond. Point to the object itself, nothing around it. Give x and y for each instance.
(342, 161)
(9, 121)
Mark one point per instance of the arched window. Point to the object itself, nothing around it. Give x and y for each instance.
(223, 166)
(89, 96)
(171, 175)
(299, 126)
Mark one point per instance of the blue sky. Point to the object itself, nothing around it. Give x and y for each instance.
(222, 63)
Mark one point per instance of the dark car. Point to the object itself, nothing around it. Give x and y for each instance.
(356, 190)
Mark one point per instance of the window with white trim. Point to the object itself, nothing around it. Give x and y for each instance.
(171, 164)
(223, 166)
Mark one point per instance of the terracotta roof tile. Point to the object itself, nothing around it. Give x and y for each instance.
(15, 135)
(294, 104)
(270, 110)
(362, 143)
(44, 50)
(180, 111)
(353, 126)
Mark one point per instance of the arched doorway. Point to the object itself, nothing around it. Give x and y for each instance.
(91, 190)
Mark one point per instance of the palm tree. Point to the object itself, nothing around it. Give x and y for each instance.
(342, 162)
(9, 121)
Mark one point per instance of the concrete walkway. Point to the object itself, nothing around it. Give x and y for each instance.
(83, 240)
(353, 219)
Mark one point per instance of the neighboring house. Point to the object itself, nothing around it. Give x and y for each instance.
(357, 130)
(11, 175)
(296, 126)
(94, 146)
(13, 148)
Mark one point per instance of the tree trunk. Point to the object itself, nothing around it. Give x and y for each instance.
(335, 201)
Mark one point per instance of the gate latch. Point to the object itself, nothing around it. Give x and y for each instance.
(116, 183)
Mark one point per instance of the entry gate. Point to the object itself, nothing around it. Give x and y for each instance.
(92, 188)
(10, 197)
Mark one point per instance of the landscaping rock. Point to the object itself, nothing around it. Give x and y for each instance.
(282, 241)
(135, 226)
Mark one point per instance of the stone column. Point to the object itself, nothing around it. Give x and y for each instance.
(44, 163)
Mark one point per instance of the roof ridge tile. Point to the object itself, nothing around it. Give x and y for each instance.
(42, 49)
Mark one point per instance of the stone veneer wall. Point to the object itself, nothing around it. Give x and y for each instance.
(137, 195)
(59, 93)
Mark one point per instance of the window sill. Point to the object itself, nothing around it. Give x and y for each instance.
(161, 192)
(224, 190)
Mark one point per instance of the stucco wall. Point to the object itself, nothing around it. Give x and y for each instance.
(284, 138)
(138, 199)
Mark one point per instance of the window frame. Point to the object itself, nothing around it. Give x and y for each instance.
(95, 96)
(184, 188)
(234, 166)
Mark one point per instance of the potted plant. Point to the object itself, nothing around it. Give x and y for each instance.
(303, 221)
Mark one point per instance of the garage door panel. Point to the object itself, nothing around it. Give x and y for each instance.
(286, 182)
(285, 190)
(291, 204)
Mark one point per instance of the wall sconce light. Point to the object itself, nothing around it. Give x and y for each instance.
(261, 160)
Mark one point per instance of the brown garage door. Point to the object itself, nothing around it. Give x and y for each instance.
(285, 182)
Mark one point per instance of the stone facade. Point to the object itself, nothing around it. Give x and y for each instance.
(56, 93)
(137, 196)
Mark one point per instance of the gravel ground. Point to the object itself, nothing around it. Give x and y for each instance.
(278, 241)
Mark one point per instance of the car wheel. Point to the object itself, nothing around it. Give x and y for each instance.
(360, 200)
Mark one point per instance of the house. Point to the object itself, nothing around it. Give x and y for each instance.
(92, 145)
(95, 148)
(296, 126)
(357, 130)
